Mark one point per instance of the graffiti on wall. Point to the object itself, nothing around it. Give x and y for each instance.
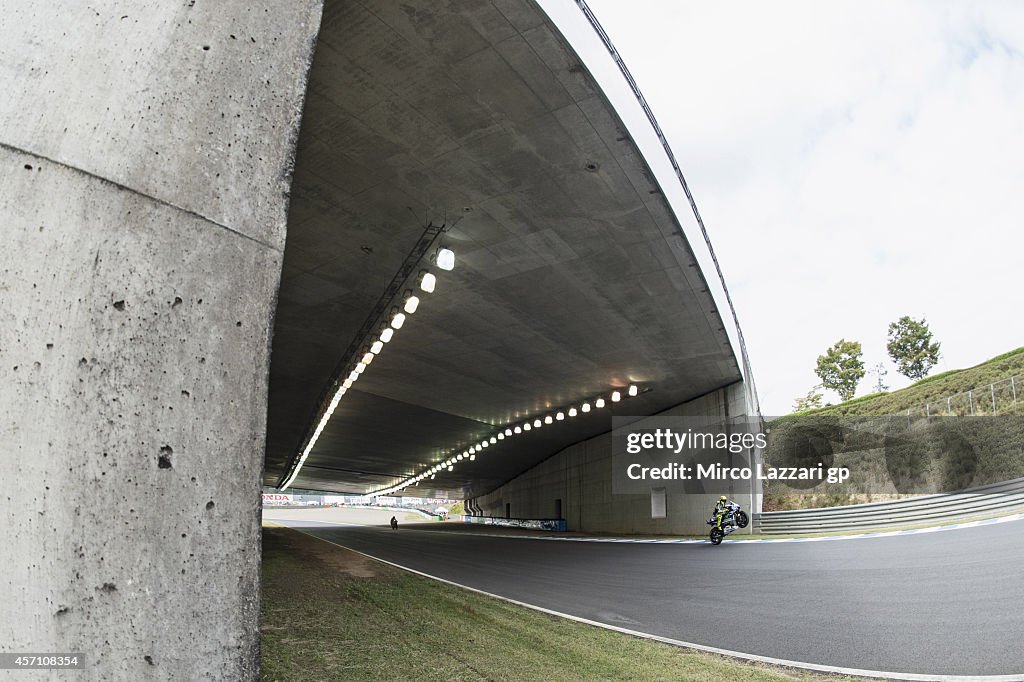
(530, 524)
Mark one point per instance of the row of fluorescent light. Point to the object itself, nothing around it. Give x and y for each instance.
(427, 281)
(470, 453)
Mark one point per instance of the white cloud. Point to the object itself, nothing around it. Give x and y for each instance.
(853, 162)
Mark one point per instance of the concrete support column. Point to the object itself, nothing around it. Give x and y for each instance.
(145, 161)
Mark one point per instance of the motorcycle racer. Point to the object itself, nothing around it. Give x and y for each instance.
(726, 518)
(724, 509)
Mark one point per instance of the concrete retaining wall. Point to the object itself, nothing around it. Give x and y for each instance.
(581, 477)
(145, 155)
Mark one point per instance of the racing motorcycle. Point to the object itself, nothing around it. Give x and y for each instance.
(734, 518)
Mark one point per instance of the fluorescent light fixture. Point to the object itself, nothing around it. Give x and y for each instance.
(386, 335)
(398, 320)
(377, 347)
(368, 358)
(470, 453)
(633, 390)
(428, 282)
(360, 368)
(445, 259)
(347, 383)
(353, 376)
(432, 476)
(411, 304)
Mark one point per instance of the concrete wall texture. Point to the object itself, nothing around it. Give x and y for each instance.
(581, 477)
(145, 161)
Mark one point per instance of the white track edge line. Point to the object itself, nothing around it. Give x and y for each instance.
(689, 645)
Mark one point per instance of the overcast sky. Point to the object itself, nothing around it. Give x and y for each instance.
(853, 162)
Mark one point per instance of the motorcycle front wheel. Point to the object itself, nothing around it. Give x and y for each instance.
(742, 519)
(716, 536)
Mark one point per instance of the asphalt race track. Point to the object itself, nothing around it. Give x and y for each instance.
(944, 603)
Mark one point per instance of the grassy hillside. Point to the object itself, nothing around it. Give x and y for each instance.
(894, 450)
(935, 389)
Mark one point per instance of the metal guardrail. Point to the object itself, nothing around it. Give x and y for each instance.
(987, 500)
(999, 397)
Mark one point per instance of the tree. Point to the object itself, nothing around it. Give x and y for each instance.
(880, 371)
(811, 401)
(911, 347)
(841, 368)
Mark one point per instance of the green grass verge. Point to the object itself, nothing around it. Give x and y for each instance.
(331, 614)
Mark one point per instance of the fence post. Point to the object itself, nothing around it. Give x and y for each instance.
(970, 396)
(949, 410)
(992, 390)
(1013, 387)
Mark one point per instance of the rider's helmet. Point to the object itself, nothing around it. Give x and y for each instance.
(723, 498)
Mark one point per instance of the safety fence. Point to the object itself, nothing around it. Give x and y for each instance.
(983, 501)
(998, 398)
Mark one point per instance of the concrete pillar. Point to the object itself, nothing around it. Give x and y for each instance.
(145, 162)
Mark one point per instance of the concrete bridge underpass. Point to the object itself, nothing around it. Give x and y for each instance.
(212, 214)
